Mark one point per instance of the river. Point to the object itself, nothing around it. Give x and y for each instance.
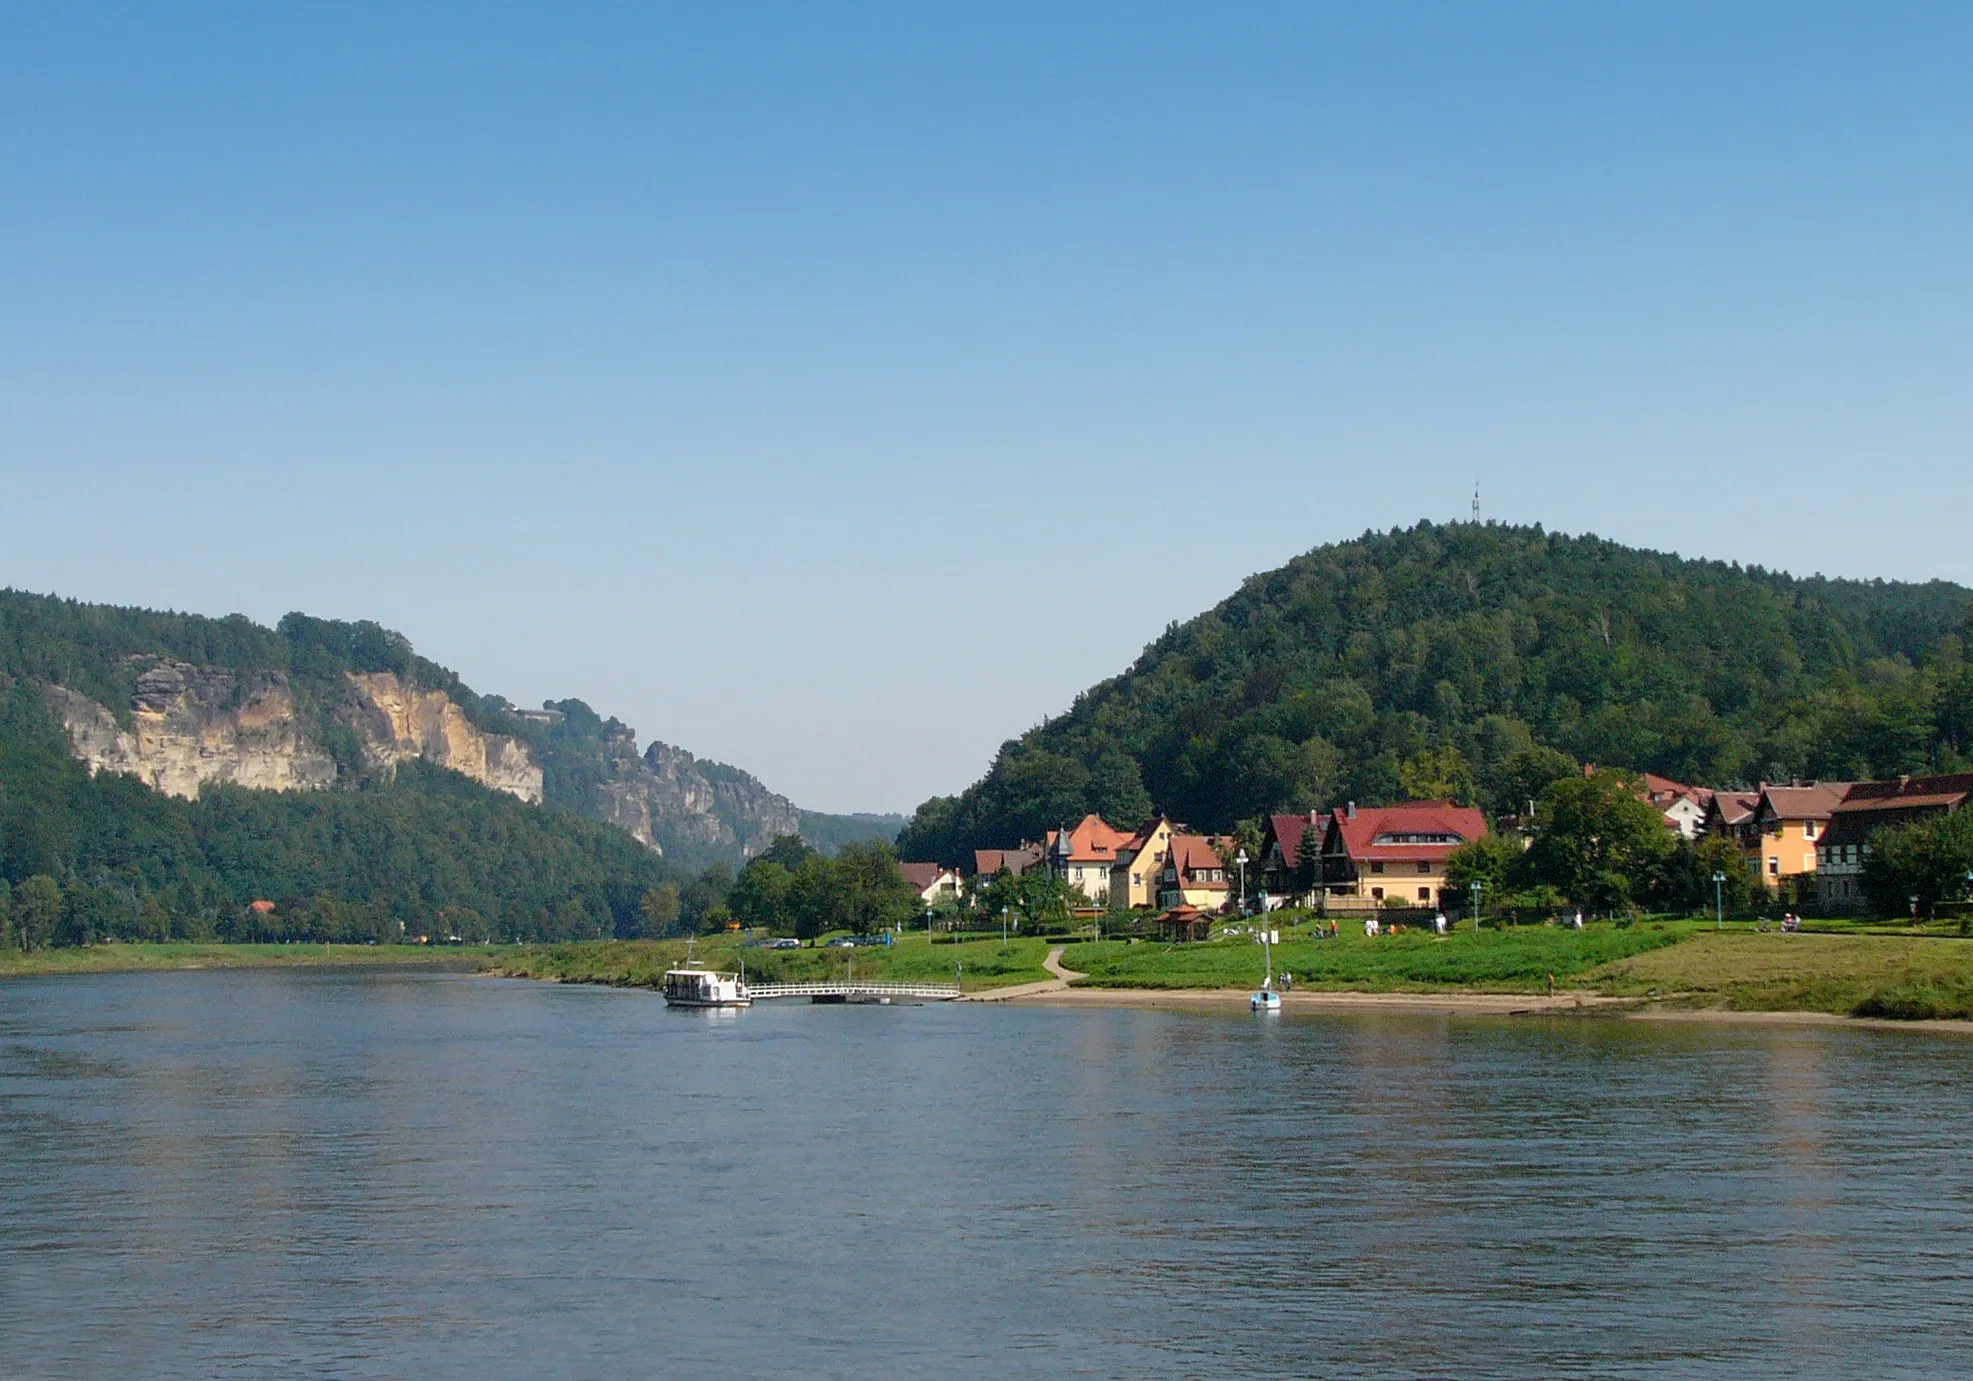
(336, 1173)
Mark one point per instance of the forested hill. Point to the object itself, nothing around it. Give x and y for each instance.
(548, 822)
(1448, 660)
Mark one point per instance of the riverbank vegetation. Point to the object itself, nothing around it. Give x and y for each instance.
(975, 963)
(140, 958)
(1519, 960)
(1900, 976)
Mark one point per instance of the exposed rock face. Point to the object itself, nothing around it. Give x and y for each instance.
(191, 726)
(403, 721)
(668, 798)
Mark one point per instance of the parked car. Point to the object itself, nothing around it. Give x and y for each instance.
(841, 942)
(784, 943)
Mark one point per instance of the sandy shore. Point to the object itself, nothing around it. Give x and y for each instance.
(1058, 993)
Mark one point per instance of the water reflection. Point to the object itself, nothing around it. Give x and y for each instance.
(404, 1175)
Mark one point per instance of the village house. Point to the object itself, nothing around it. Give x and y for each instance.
(1283, 877)
(1730, 815)
(1867, 807)
(1134, 876)
(1395, 853)
(1194, 874)
(1684, 807)
(1787, 823)
(933, 882)
(1084, 856)
(989, 864)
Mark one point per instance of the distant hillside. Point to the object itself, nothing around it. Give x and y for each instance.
(1431, 661)
(249, 743)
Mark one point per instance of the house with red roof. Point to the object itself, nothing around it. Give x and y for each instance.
(1396, 853)
(989, 864)
(1843, 848)
(933, 882)
(1195, 874)
(1287, 876)
(1083, 856)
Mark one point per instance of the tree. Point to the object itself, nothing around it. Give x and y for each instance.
(814, 903)
(37, 911)
(1489, 860)
(759, 899)
(787, 851)
(7, 939)
(874, 894)
(1596, 840)
(659, 909)
(1437, 774)
(1927, 859)
(1525, 774)
(1718, 855)
(1036, 899)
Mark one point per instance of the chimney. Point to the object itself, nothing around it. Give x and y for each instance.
(1350, 810)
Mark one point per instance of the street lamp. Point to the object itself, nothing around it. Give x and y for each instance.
(1003, 927)
(1240, 859)
(1474, 888)
(1719, 901)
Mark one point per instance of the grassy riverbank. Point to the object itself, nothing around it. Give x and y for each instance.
(979, 964)
(1513, 961)
(122, 958)
(1900, 976)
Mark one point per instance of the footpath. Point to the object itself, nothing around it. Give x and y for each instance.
(1058, 984)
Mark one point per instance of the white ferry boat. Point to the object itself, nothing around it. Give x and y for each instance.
(704, 988)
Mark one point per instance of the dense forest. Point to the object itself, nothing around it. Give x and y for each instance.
(429, 853)
(382, 856)
(1469, 661)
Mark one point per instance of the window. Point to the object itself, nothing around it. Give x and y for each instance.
(1377, 892)
(1425, 868)
(1424, 894)
(1376, 867)
(1809, 830)
(1137, 879)
(1774, 867)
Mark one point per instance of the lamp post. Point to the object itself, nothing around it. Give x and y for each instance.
(1003, 927)
(1474, 888)
(1719, 901)
(1240, 860)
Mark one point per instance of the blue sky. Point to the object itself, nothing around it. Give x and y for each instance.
(837, 390)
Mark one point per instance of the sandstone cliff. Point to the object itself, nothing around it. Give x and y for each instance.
(192, 725)
(675, 803)
(401, 721)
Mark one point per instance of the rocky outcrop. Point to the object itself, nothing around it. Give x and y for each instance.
(399, 721)
(190, 726)
(673, 802)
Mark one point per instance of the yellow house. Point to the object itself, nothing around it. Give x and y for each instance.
(1787, 823)
(1134, 876)
(1194, 874)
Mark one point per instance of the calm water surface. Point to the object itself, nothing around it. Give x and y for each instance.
(360, 1174)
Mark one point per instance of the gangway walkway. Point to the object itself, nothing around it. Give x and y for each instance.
(851, 990)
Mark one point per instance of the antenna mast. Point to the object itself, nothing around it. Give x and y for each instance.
(1476, 501)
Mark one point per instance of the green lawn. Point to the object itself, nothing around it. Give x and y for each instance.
(1495, 961)
(637, 963)
(122, 958)
(1859, 975)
